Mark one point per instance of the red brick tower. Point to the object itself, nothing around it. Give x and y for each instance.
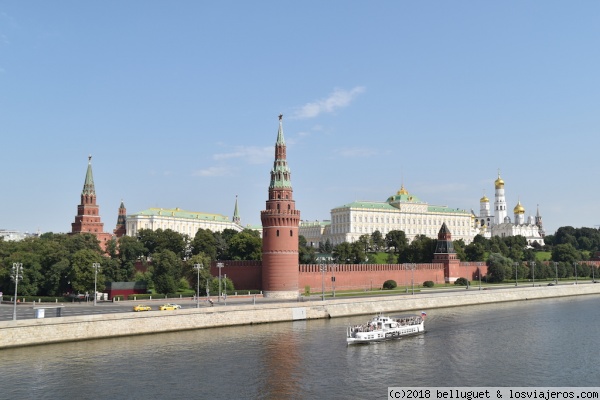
(280, 230)
(444, 253)
(87, 219)
(120, 230)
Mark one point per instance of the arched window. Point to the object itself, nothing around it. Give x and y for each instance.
(291, 232)
(277, 232)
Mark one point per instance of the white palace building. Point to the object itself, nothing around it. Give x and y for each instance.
(406, 212)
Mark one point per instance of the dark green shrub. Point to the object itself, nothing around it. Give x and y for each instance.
(428, 284)
(461, 282)
(389, 284)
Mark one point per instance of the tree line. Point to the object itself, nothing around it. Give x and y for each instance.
(55, 264)
(60, 264)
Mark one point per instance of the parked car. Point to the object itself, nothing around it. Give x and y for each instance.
(142, 307)
(169, 306)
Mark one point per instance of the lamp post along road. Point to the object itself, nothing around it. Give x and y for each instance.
(412, 279)
(333, 279)
(533, 272)
(516, 276)
(575, 265)
(198, 267)
(220, 266)
(96, 266)
(556, 271)
(322, 267)
(16, 275)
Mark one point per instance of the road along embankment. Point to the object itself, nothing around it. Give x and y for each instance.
(66, 329)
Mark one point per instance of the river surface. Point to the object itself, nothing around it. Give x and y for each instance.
(531, 343)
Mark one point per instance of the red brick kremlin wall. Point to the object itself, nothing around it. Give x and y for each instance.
(246, 275)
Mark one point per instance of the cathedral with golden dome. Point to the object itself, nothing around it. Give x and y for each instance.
(500, 224)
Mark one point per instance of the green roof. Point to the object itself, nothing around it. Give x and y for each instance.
(178, 213)
(368, 204)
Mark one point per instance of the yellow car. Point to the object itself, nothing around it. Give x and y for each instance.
(141, 307)
(169, 306)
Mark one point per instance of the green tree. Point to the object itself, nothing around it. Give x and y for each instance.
(498, 267)
(397, 241)
(475, 252)
(245, 246)
(565, 252)
(82, 275)
(377, 240)
(306, 254)
(421, 249)
(205, 242)
(342, 253)
(167, 271)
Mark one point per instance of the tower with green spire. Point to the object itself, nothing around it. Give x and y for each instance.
(236, 214)
(280, 223)
(87, 219)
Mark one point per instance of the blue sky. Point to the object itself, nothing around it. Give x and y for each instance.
(177, 102)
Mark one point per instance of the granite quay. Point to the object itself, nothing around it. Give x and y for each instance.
(65, 329)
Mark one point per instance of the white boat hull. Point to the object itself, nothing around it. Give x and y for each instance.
(384, 328)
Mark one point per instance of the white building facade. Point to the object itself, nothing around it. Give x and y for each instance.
(402, 211)
(500, 224)
(181, 221)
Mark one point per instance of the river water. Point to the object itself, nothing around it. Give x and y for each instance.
(531, 343)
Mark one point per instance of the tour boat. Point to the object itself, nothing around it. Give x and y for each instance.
(385, 328)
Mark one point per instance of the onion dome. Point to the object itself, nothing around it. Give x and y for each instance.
(499, 183)
(519, 209)
(402, 191)
(484, 199)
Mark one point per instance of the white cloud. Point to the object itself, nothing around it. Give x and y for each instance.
(213, 171)
(251, 154)
(338, 99)
(355, 152)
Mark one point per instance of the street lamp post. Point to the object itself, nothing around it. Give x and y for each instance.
(533, 272)
(16, 275)
(220, 266)
(556, 271)
(96, 266)
(575, 265)
(225, 289)
(516, 275)
(479, 274)
(333, 279)
(412, 279)
(323, 268)
(198, 267)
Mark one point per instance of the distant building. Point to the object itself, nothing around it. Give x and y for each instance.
(403, 212)
(500, 224)
(15, 236)
(87, 219)
(181, 221)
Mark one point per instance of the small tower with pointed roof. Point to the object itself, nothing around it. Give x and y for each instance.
(120, 229)
(87, 219)
(445, 254)
(280, 221)
(538, 222)
(236, 214)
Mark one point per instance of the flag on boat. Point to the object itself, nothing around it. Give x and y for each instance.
(423, 313)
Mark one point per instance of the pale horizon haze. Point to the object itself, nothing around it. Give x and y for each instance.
(178, 104)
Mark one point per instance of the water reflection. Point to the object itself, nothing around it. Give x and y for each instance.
(533, 343)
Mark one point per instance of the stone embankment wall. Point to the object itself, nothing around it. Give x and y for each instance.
(65, 329)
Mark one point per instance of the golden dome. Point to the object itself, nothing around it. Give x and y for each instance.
(499, 183)
(402, 191)
(519, 209)
(484, 199)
